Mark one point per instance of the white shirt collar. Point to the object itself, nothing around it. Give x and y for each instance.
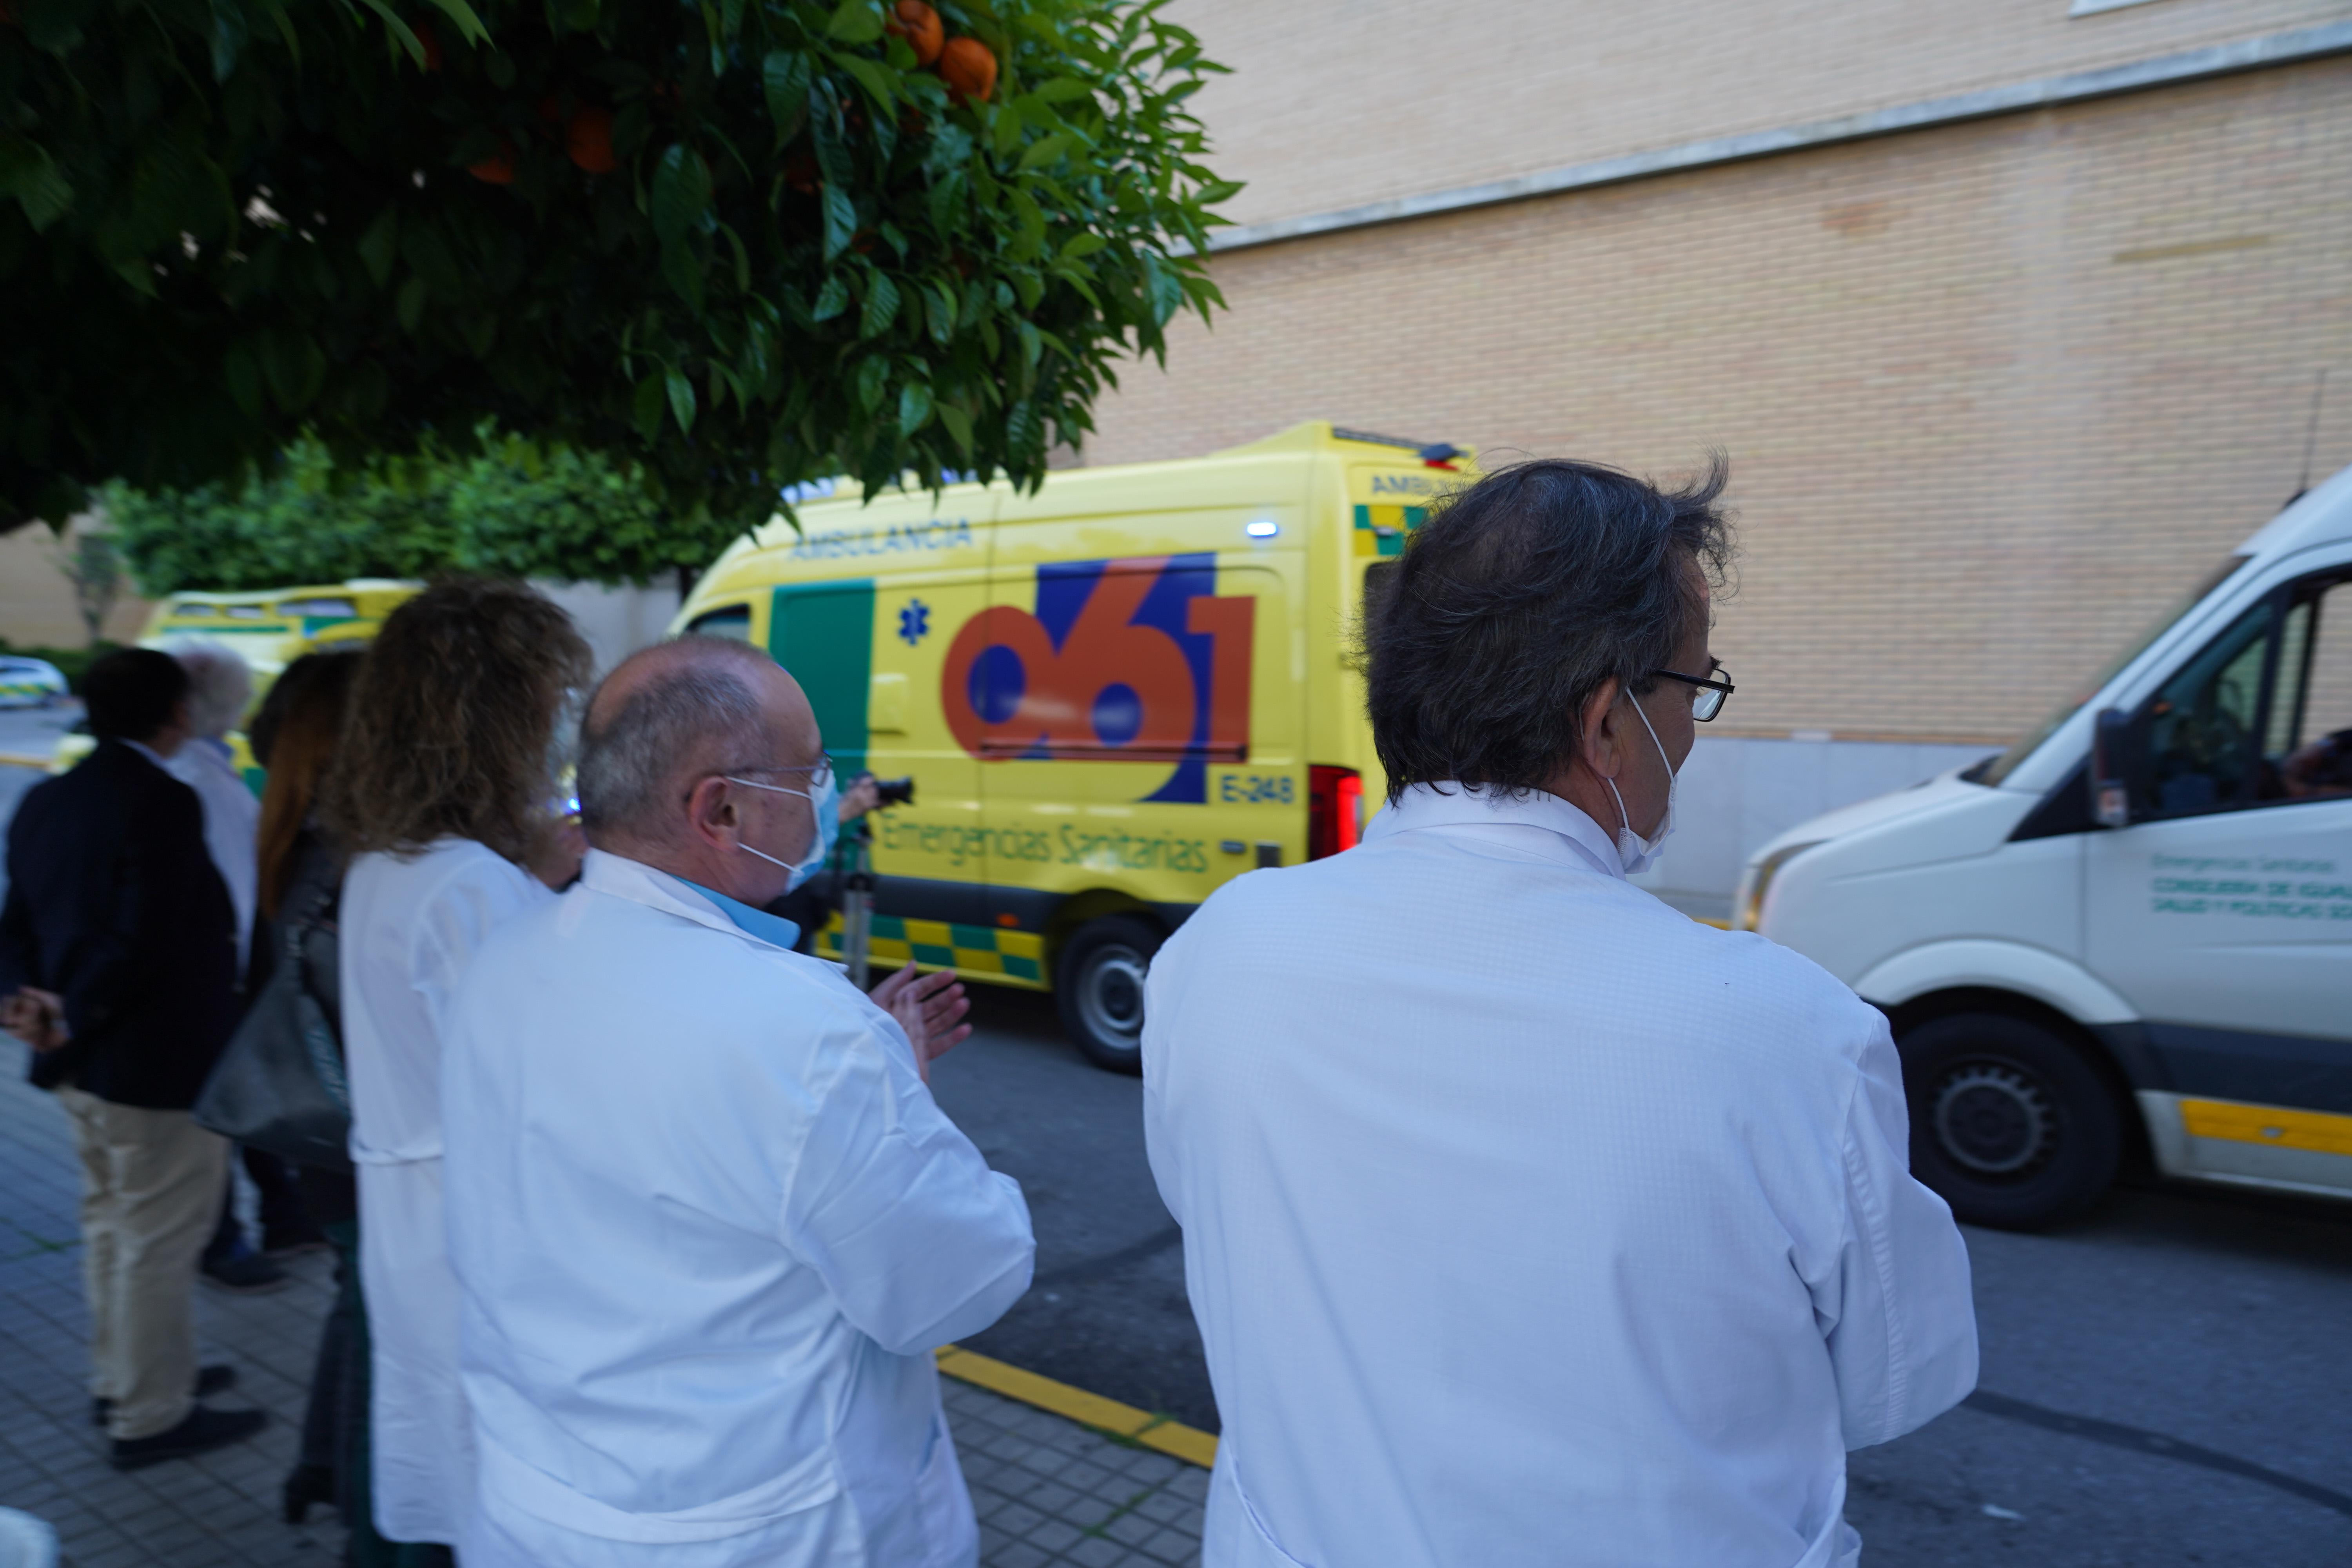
(642, 884)
(1426, 805)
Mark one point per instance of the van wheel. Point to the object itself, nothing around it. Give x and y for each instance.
(1099, 986)
(2010, 1124)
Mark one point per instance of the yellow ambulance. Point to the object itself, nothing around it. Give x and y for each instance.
(1113, 695)
(270, 630)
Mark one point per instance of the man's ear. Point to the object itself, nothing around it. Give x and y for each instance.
(711, 813)
(1597, 737)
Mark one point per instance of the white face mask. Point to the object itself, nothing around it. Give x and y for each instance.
(1634, 850)
(824, 804)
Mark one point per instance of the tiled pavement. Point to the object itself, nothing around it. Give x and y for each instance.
(1047, 1491)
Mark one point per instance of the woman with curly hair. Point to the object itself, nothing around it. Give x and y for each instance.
(441, 791)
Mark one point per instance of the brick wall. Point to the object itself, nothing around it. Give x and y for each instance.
(1993, 392)
(1335, 103)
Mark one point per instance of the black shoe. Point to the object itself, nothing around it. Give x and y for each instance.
(293, 1241)
(202, 1430)
(210, 1380)
(308, 1484)
(250, 1275)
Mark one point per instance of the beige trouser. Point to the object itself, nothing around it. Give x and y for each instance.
(150, 1194)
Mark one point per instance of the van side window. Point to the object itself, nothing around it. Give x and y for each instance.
(733, 621)
(2202, 723)
(2262, 715)
(2307, 743)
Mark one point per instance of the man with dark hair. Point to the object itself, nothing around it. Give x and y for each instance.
(118, 960)
(1526, 1220)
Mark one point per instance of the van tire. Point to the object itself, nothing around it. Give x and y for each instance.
(2009, 1123)
(1099, 986)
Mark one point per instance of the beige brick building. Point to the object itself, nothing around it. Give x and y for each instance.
(2011, 320)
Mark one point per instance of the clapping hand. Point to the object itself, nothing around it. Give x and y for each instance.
(38, 1017)
(929, 1007)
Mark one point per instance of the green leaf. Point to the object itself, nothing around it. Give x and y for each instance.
(832, 300)
(681, 268)
(939, 309)
(877, 78)
(229, 36)
(647, 407)
(872, 377)
(1044, 149)
(957, 424)
(914, 408)
(1082, 245)
(410, 306)
(856, 21)
(742, 258)
(1008, 128)
(840, 220)
(881, 306)
(784, 75)
(29, 173)
(379, 247)
(1063, 88)
(681, 193)
(681, 400)
(470, 26)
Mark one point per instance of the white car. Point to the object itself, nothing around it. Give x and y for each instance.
(30, 682)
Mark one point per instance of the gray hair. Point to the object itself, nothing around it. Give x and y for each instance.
(678, 719)
(1511, 607)
(220, 683)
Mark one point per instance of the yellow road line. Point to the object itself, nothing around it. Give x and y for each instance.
(2271, 1124)
(1105, 1416)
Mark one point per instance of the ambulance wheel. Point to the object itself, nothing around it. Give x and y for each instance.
(1099, 986)
(2010, 1124)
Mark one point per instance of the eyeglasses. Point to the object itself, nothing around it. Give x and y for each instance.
(1708, 696)
(820, 772)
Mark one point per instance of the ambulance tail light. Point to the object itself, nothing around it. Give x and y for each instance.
(1335, 809)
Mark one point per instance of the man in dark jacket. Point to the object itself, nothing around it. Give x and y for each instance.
(118, 960)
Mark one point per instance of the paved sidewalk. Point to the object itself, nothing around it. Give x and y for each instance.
(1047, 1489)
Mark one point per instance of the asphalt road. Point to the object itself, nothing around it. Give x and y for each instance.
(2168, 1382)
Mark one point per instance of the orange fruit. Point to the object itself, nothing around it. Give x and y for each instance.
(497, 169)
(968, 69)
(920, 27)
(589, 140)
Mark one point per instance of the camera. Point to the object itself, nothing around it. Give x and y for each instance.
(895, 791)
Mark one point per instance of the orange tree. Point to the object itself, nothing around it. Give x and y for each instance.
(734, 244)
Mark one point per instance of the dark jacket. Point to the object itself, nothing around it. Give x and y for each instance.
(114, 904)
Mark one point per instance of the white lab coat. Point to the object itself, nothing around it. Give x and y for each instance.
(1529, 1222)
(410, 930)
(710, 1225)
(232, 818)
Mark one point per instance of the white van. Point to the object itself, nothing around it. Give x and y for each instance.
(2129, 937)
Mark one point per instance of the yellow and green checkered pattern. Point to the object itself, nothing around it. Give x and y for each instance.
(1011, 957)
(1381, 529)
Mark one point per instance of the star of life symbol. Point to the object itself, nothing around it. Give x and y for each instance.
(915, 622)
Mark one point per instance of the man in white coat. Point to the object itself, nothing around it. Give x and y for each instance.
(1527, 1221)
(707, 1221)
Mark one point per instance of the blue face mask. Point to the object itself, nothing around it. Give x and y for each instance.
(824, 804)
